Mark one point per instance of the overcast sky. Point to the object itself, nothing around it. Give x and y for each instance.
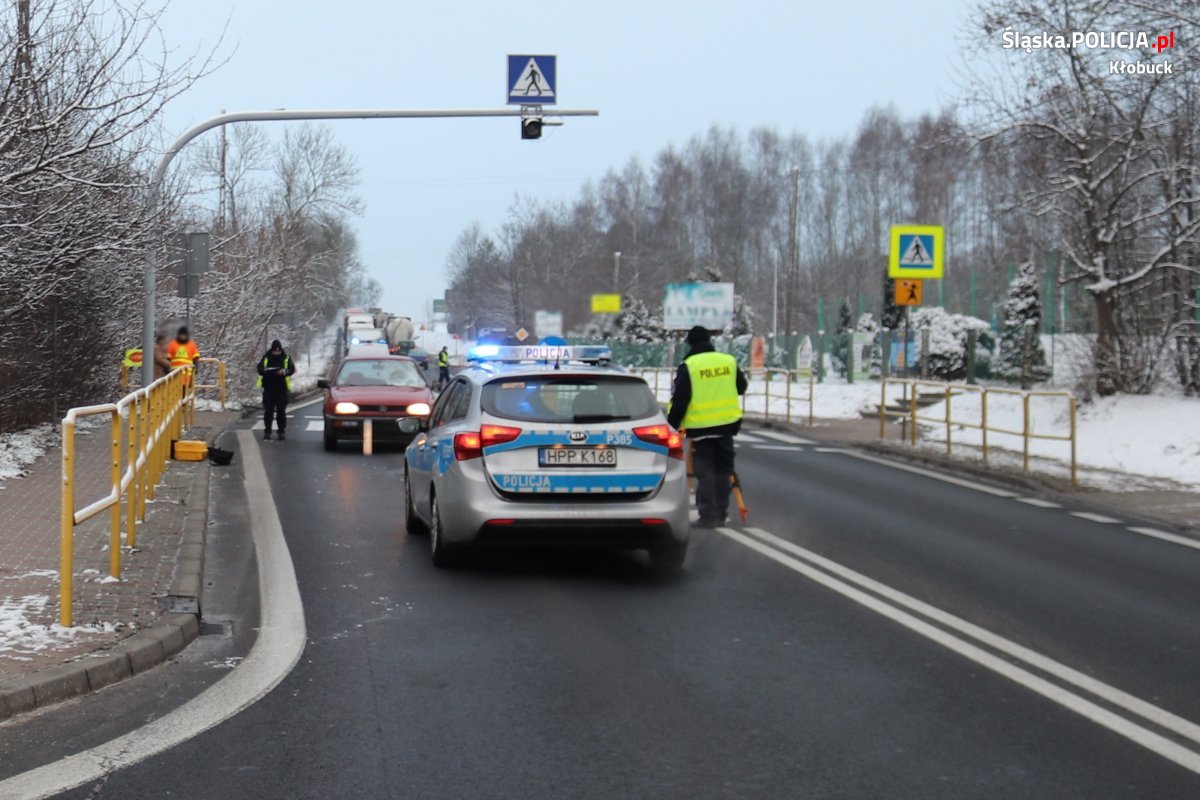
(659, 72)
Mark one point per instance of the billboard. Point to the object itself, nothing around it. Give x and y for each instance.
(547, 323)
(687, 305)
(606, 304)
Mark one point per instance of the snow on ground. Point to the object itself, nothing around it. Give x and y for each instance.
(20, 449)
(21, 637)
(321, 352)
(1138, 435)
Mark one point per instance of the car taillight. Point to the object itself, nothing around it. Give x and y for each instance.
(664, 436)
(497, 434)
(467, 446)
(470, 444)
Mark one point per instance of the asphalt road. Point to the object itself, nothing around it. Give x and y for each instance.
(583, 675)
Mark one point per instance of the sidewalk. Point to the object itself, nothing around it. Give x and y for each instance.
(105, 611)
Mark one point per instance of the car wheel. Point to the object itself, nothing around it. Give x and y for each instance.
(668, 558)
(331, 441)
(412, 522)
(444, 555)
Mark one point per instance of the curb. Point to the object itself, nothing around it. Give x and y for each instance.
(178, 627)
(132, 656)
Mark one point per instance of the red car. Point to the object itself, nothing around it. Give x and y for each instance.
(390, 391)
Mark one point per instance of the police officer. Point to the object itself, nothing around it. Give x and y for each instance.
(275, 372)
(705, 404)
(443, 368)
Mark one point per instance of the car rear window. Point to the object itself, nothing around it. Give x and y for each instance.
(569, 398)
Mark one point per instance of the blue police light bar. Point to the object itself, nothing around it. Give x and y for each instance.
(515, 354)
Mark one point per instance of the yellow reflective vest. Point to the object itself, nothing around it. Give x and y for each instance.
(443, 359)
(287, 379)
(714, 391)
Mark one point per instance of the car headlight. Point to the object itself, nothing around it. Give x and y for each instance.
(419, 409)
(345, 408)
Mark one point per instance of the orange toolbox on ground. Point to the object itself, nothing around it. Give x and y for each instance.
(189, 450)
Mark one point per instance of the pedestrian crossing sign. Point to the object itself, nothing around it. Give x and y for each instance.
(532, 80)
(917, 251)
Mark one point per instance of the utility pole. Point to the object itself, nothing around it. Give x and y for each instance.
(793, 267)
(150, 266)
(617, 272)
(222, 155)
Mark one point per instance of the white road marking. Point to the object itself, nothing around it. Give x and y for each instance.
(791, 448)
(318, 399)
(315, 425)
(258, 426)
(747, 437)
(280, 642)
(928, 473)
(1089, 516)
(1038, 502)
(314, 416)
(1133, 731)
(783, 437)
(830, 450)
(1166, 536)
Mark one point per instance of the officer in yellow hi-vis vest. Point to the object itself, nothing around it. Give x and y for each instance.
(275, 372)
(705, 404)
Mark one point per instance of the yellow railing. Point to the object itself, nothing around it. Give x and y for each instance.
(142, 425)
(982, 420)
(660, 380)
(791, 378)
(128, 372)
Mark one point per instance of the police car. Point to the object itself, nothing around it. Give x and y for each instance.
(547, 445)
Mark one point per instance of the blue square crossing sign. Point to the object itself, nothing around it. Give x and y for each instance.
(917, 251)
(532, 80)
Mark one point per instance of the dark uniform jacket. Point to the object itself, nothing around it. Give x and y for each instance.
(276, 371)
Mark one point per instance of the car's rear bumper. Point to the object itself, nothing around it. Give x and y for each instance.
(473, 512)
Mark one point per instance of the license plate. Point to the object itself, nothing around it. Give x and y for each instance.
(577, 457)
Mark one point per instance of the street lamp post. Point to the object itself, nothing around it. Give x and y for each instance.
(284, 115)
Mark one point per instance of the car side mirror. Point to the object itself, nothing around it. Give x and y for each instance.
(322, 384)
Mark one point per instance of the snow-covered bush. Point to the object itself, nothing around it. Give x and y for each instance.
(1021, 354)
(946, 356)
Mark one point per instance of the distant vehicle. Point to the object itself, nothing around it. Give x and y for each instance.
(370, 349)
(552, 452)
(493, 336)
(399, 329)
(360, 336)
(359, 321)
(389, 390)
(420, 356)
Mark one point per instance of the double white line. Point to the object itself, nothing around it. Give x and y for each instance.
(1070, 688)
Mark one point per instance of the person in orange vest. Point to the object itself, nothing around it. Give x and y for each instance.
(184, 353)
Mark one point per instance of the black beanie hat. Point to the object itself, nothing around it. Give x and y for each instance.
(275, 345)
(699, 335)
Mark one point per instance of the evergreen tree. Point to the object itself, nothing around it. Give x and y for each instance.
(841, 341)
(892, 313)
(637, 323)
(1021, 351)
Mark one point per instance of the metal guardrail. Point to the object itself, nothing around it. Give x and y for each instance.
(142, 425)
(909, 412)
(660, 381)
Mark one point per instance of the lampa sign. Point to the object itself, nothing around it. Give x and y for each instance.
(687, 305)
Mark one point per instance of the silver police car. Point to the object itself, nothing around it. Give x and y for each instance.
(546, 445)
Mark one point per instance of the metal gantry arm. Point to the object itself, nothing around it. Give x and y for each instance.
(287, 115)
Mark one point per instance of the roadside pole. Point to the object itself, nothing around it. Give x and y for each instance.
(150, 270)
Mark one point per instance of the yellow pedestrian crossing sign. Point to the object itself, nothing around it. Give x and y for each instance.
(917, 251)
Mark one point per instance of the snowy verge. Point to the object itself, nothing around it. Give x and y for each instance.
(20, 449)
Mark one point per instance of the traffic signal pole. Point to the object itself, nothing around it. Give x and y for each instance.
(150, 270)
